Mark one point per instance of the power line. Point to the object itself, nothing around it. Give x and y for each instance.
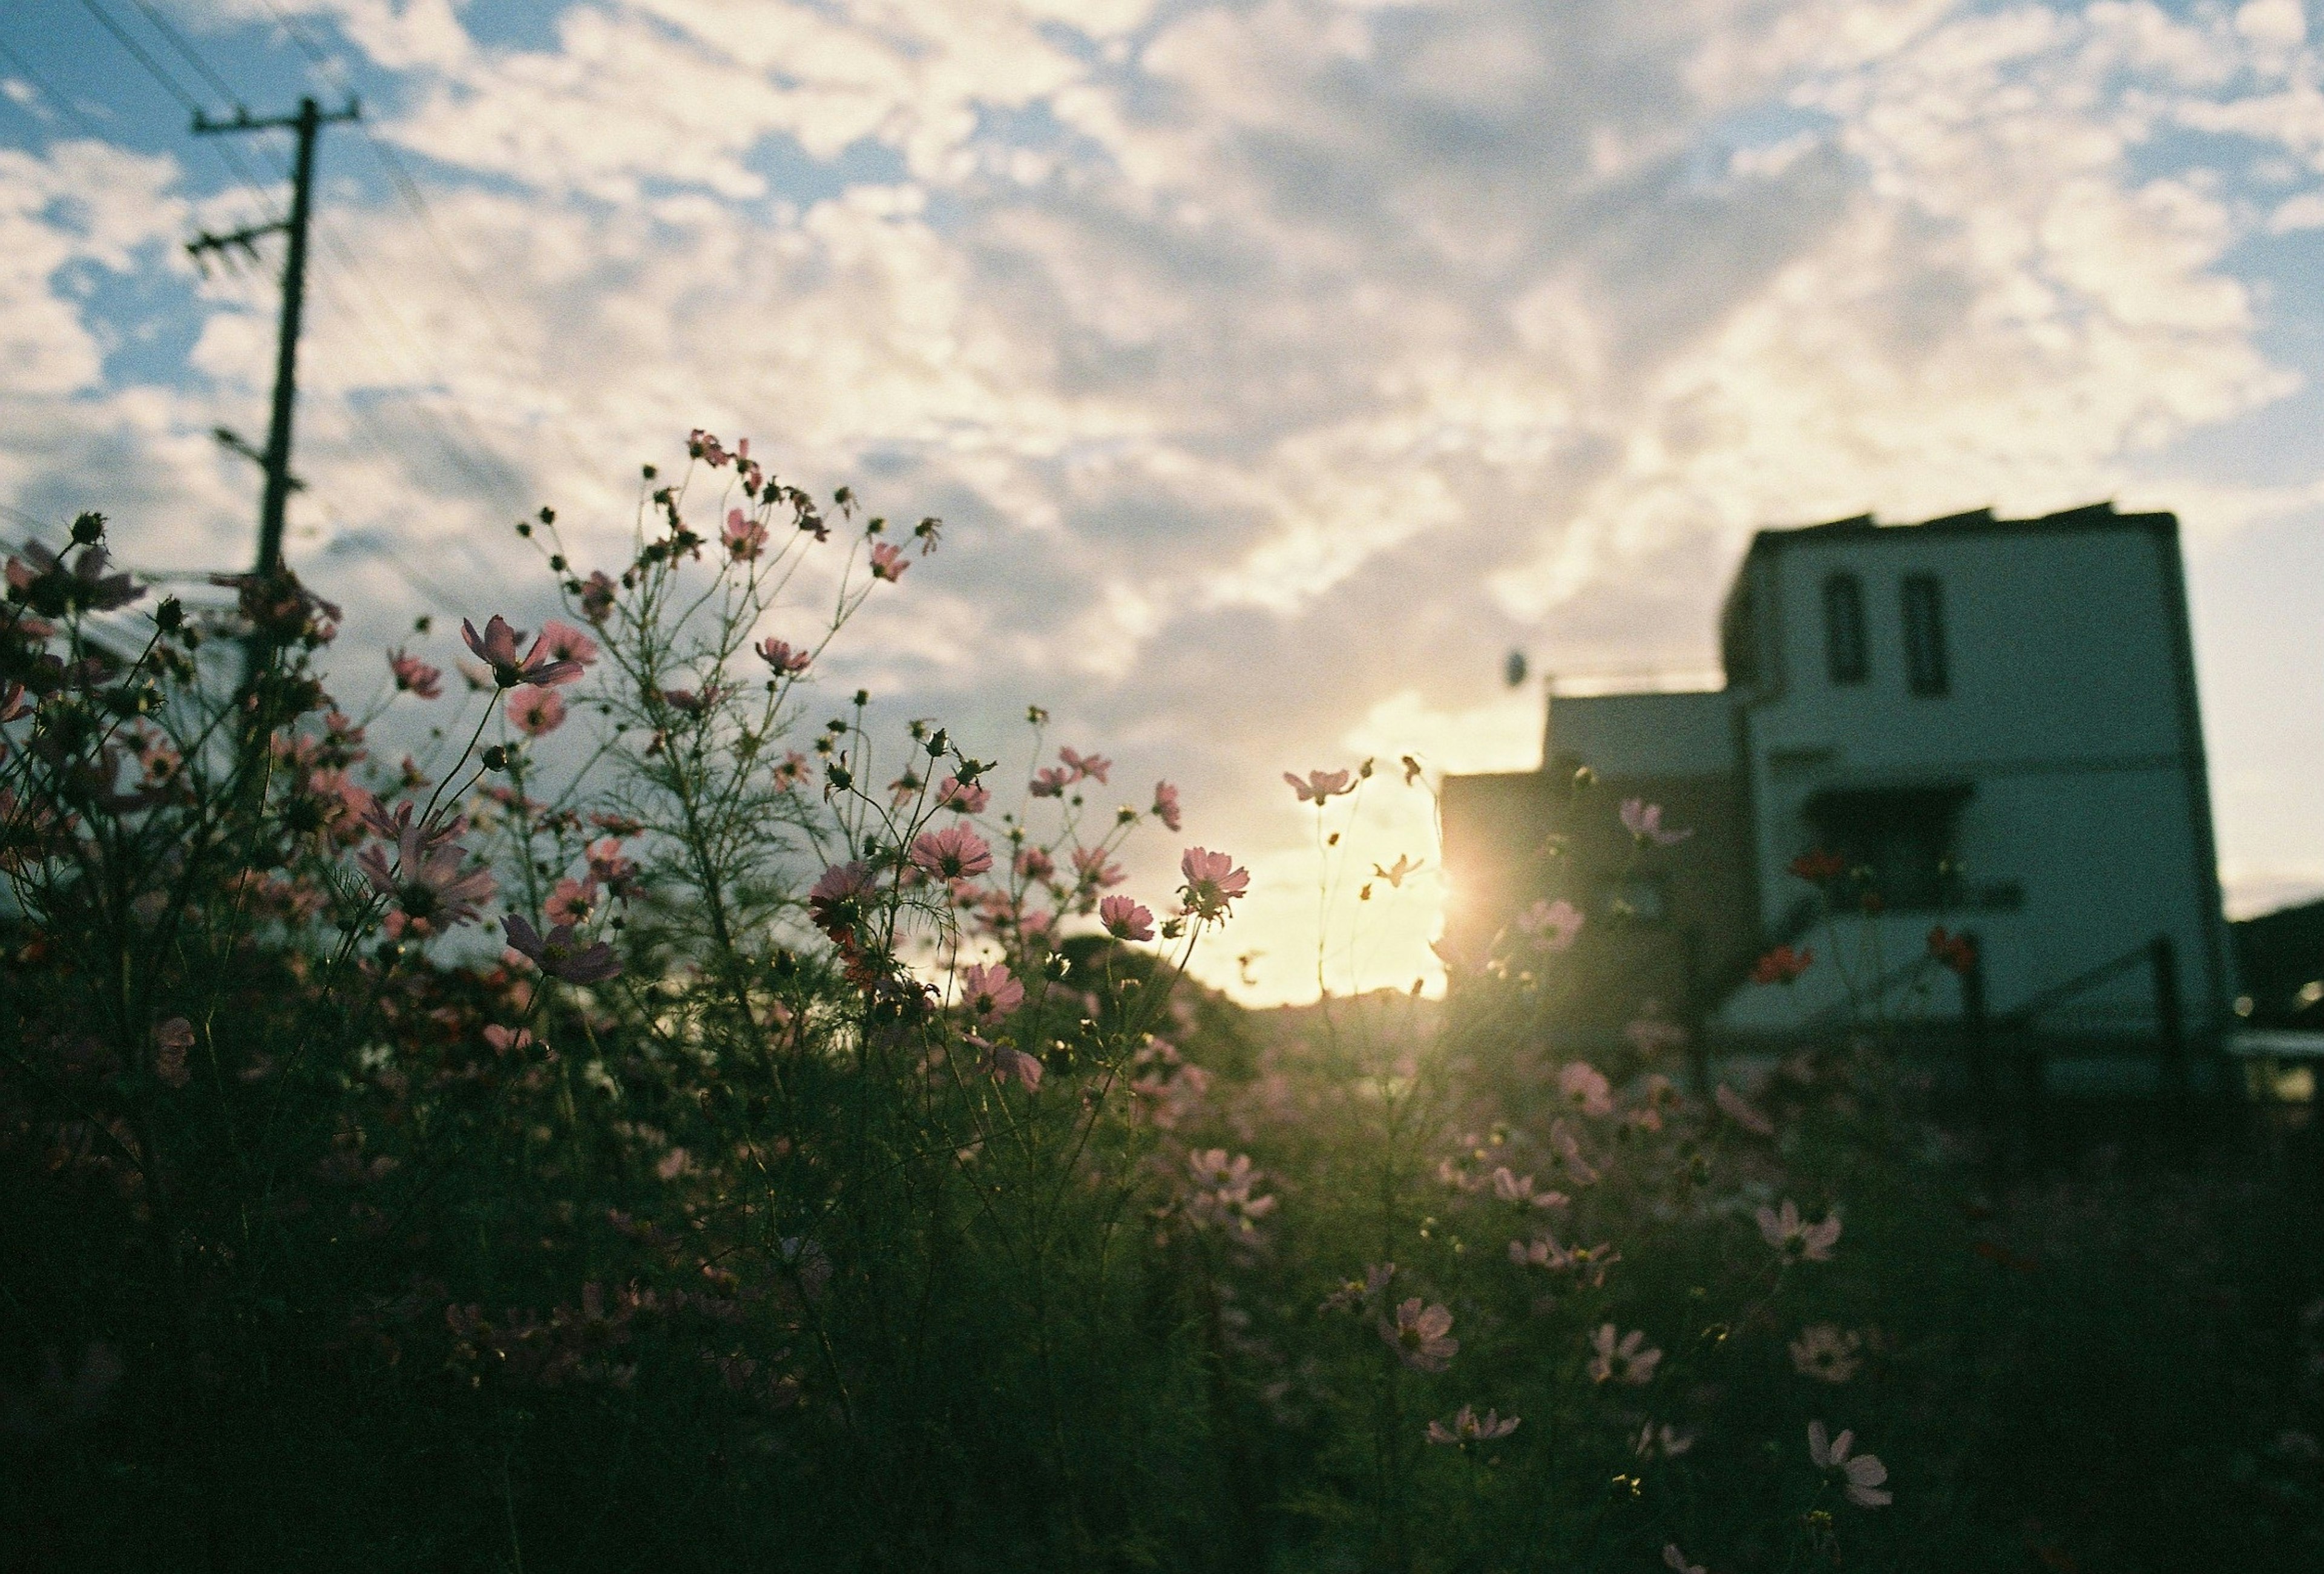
(137, 52)
(49, 93)
(186, 52)
(408, 188)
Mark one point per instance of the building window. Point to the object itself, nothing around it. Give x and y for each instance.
(1900, 841)
(1843, 628)
(1924, 635)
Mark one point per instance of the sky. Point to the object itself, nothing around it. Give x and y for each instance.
(1279, 368)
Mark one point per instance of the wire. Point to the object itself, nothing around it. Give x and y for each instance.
(187, 51)
(408, 188)
(153, 66)
(49, 93)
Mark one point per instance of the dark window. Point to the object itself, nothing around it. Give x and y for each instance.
(1924, 635)
(1843, 628)
(1900, 840)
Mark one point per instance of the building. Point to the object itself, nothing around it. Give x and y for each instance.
(1993, 722)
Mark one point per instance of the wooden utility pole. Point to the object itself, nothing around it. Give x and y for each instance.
(276, 455)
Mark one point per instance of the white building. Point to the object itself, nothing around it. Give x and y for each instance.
(1995, 721)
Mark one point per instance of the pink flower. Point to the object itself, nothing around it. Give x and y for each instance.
(537, 712)
(1418, 1336)
(1083, 765)
(1320, 785)
(564, 642)
(1552, 924)
(1052, 782)
(415, 676)
(1006, 1060)
(1665, 1441)
(496, 647)
(1585, 1087)
(1467, 1428)
(1863, 1473)
(1511, 1187)
(1676, 1560)
(839, 901)
(989, 991)
(571, 902)
(557, 954)
(597, 593)
(171, 1040)
(1632, 1360)
(1035, 864)
(426, 881)
(1213, 882)
(1124, 919)
(1166, 804)
(507, 1040)
(888, 563)
(1825, 1353)
(1796, 1239)
(962, 797)
(779, 655)
(607, 864)
(1091, 869)
(1644, 820)
(746, 537)
(954, 852)
(1740, 1111)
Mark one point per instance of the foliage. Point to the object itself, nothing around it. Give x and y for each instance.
(840, 1172)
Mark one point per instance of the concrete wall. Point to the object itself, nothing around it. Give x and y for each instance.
(2070, 713)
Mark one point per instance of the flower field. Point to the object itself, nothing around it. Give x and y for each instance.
(663, 1123)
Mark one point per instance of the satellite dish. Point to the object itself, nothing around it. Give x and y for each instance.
(1513, 669)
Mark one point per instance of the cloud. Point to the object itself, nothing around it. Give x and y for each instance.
(1279, 365)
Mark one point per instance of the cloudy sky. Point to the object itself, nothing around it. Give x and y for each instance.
(1279, 366)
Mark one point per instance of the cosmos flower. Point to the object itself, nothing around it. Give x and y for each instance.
(1166, 804)
(962, 797)
(414, 677)
(888, 563)
(564, 642)
(1213, 882)
(954, 852)
(1396, 873)
(1676, 1560)
(496, 646)
(1862, 1473)
(1467, 1428)
(1124, 919)
(1796, 1239)
(840, 897)
(989, 991)
(1631, 1360)
(557, 954)
(746, 537)
(171, 1040)
(1584, 1086)
(1319, 786)
(597, 593)
(428, 880)
(1644, 820)
(1554, 924)
(1420, 1336)
(1051, 782)
(779, 655)
(1086, 765)
(537, 712)
(1825, 1353)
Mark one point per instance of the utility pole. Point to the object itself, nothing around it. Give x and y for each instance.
(276, 457)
